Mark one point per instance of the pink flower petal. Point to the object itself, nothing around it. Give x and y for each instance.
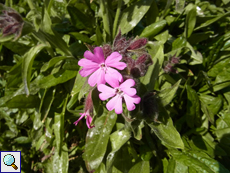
(125, 87)
(127, 84)
(82, 115)
(88, 121)
(113, 61)
(100, 54)
(90, 56)
(131, 100)
(97, 77)
(88, 63)
(112, 80)
(115, 103)
(107, 92)
(112, 72)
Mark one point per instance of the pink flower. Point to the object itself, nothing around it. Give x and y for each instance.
(118, 92)
(88, 119)
(88, 111)
(96, 64)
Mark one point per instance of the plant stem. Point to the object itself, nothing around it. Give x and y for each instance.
(105, 17)
(31, 4)
(117, 18)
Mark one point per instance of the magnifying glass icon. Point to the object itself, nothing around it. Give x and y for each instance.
(9, 160)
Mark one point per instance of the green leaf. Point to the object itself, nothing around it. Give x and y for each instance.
(196, 56)
(79, 19)
(209, 22)
(71, 64)
(22, 140)
(23, 101)
(55, 79)
(190, 21)
(133, 14)
(142, 166)
(52, 62)
(167, 95)
(118, 139)
(153, 71)
(153, 29)
(59, 127)
(27, 65)
(193, 116)
(168, 134)
(81, 37)
(61, 162)
(97, 139)
(210, 105)
(199, 161)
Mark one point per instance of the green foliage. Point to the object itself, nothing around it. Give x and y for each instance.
(181, 125)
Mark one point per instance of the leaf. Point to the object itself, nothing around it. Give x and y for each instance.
(59, 127)
(193, 116)
(167, 95)
(23, 101)
(209, 22)
(153, 29)
(199, 161)
(71, 64)
(61, 162)
(196, 56)
(153, 71)
(52, 62)
(142, 166)
(55, 79)
(97, 139)
(133, 14)
(79, 19)
(22, 140)
(210, 105)
(180, 6)
(118, 139)
(168, 134)
(27, 65)
(190, 21)
(81, 37)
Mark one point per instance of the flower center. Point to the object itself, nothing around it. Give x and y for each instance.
(103, 66)
(119, 92)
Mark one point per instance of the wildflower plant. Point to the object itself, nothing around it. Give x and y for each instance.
(116, 86)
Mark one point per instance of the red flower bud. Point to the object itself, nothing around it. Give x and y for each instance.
(138, 44)
(107, 50)
(10, 22)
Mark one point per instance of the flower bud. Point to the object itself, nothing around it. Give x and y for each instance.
(107, 50)
(89, 103)
(138, 44)
(10, 22)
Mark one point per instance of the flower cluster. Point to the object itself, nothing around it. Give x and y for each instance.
(114, 65)
(10, 22)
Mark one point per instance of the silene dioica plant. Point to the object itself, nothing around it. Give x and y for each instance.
(150, 78)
